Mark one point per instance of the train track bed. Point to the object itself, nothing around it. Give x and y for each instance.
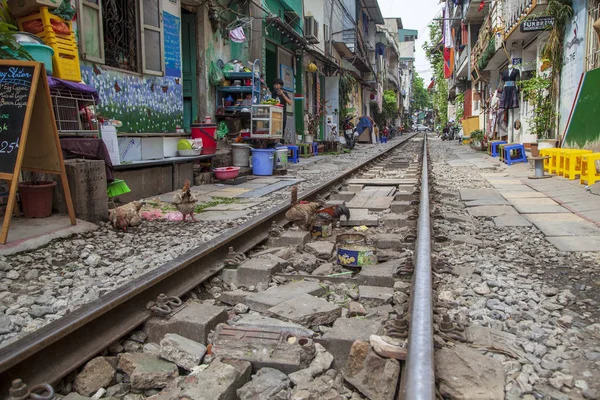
(276, 318)
(41, 286)
(515, 318)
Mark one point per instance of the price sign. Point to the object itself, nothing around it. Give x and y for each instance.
(15, 87)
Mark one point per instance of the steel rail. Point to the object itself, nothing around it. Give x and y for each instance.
(53, 351)
(418, 377)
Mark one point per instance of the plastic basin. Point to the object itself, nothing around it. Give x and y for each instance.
(225, 173)
(39, 52)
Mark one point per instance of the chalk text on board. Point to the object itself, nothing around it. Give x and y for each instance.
(6, 147)
(17, 74)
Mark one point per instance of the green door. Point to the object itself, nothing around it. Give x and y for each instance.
(190, 81)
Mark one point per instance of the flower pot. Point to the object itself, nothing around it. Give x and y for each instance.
(534, 147)
(36, 200)
(546, 144)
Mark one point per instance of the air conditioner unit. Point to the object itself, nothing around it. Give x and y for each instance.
(311, 30)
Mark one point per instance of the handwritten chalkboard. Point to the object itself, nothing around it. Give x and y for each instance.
(172, 33)
(15, 88)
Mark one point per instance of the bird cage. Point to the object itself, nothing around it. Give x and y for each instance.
(73, 111)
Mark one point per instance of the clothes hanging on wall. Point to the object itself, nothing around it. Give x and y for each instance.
(510, 95)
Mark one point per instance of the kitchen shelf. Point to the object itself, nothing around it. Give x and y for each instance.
(235, 89)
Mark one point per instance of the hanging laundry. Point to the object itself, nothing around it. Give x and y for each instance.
(237, 35)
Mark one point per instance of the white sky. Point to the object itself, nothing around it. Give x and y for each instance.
(415, 14)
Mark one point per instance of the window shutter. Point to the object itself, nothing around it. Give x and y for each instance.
(152, 36)
(91, 31)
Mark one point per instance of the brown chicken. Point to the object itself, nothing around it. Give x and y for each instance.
(303, 215)
(126, 216)
(185, 201)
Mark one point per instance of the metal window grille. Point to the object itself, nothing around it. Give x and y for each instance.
(72, 116)
(593, 44)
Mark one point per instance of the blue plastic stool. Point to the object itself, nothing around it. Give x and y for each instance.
(383, 139)
(514, 153)
(495, 146)
(315, 148)
(293, 154)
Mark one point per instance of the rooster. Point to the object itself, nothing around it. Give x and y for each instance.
(333, 213)
(126, 216)
(185, 201)
(302, 214)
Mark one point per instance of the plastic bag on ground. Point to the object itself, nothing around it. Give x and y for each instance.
(222, 130)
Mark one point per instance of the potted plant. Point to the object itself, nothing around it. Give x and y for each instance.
(536, 92)
(477, 137)
(36, 197)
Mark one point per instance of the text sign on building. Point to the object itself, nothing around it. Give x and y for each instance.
(537, 24)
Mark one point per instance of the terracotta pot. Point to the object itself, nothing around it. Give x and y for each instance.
(534, 149)
(36, 200)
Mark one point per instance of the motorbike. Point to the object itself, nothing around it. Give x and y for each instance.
(349, 131)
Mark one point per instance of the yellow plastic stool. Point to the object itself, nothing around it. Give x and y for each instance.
(589, 173)
(572, 162)
(501, 151)
(552, 153)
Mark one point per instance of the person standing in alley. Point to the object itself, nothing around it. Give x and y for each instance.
(283, 98)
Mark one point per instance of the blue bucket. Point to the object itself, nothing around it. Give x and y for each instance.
(262, 161)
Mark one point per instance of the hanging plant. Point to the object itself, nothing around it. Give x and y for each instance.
(562, 12)
(347, 83)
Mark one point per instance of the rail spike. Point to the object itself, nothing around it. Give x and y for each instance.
(164, 305)
(20, 391)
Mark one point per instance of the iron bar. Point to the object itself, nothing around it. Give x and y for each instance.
(418, 379)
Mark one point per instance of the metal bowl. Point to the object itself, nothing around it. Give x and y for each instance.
(26, 37)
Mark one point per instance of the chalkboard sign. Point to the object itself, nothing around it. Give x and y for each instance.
(15, 88)
(28, 135)
(172, 33)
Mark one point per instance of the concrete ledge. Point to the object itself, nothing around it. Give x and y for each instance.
(30, 234)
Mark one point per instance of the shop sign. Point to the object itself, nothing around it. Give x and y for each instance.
(537, 24)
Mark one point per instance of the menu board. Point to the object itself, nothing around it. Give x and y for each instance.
(15, 88)
(172, 37)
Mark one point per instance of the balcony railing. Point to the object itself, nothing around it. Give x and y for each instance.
(515, 11)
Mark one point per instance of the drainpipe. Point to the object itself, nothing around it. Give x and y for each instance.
(299, 102)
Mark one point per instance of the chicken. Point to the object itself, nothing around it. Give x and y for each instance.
(333, 213)
(303, 215)
(185, 201)
(126, 216)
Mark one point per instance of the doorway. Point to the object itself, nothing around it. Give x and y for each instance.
(190, 79)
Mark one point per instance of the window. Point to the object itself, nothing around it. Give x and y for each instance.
(593, 44)
(124, 34)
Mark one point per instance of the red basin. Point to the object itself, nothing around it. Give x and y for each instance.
(225, 173)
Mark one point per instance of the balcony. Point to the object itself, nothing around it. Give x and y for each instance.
(350, 45)
(485, 54)
(473, 14)
(393, 78)
(462, 62)
(515, 12)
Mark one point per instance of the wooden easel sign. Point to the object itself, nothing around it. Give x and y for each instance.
(28, 135)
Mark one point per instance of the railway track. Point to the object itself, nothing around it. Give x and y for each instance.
(52, 352)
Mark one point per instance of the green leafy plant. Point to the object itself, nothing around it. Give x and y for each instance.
(347, 83)
(389, 109)
(9, 48)
(436, 58)
(536, 92)
(460, 106)
(477, 135)
(553, 51)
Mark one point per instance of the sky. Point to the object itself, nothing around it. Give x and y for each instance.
(415, 14)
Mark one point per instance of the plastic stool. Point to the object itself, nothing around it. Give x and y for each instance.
(305, 150)
(589, 174)
(572, 162)
(514, 153)
(495, 147)
(552, 153)
(293, 154)
(315, 148)
(501, 151)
